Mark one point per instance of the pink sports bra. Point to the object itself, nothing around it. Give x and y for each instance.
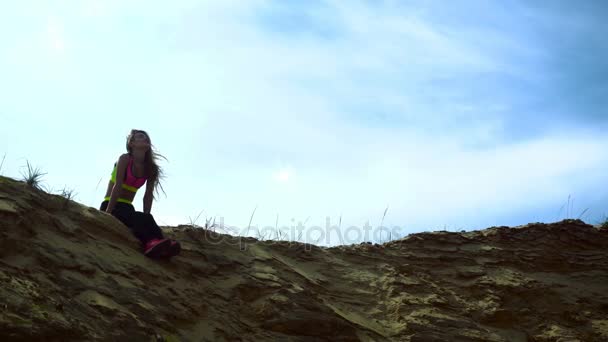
(130, 182)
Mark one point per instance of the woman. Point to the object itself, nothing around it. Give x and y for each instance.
(133, 169)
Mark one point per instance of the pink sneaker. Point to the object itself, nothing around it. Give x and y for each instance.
(156, 247)
(173, 250)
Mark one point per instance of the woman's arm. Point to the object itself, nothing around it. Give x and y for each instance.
(121, 168)
(148, 196)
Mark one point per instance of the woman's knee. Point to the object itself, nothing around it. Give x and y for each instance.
(144, 218)
(143, 215)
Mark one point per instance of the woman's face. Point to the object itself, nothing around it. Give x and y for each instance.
(140, 140)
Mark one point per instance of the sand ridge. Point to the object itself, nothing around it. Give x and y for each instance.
(72, 273)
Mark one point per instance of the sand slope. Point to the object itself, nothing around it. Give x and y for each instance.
(71, 273)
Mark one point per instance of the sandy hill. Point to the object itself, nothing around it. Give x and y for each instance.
(71, 273)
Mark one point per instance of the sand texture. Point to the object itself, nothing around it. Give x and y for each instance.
(71, 273)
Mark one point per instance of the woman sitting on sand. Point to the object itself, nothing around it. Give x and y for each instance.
(132, 170)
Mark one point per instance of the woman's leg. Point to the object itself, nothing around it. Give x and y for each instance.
(152, 231)
(142, 226)
(125, 213)
(146, 227)
(149, 233)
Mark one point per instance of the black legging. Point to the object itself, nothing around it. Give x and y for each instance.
(141, 225)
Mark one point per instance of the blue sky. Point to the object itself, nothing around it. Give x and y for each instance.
(461, 115)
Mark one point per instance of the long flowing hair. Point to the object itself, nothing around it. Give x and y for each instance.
(152, 170)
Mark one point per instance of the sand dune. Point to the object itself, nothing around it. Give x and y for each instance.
(71, 273)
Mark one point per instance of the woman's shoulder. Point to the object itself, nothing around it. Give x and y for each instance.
(123, 158)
